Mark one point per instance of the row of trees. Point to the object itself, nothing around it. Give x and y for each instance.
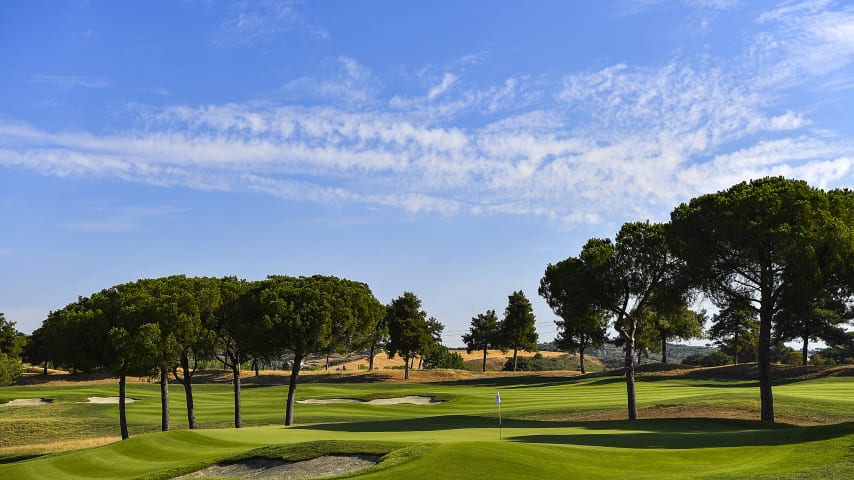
(773, 253)
(516, 331)
(167, 325)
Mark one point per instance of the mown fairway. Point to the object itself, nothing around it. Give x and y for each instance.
(548, 429)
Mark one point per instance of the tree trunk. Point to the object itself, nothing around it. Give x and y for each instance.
(484, 360)
(164, 399)
(45, 368)
(663, 350)
(766, 313)
(186, 381)
(371, 359)
(805, 350)
(420, 361)
(123, 418)
(515, 351)
(406, 368)
(257, 365)
(630, 371)
(292, 390)
(581, 348)
(235, 371)
(327, 362)
(735, 357)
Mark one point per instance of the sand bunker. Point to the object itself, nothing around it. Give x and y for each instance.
(111, 400)
(266, 468)
(411, 399)
(26, 402)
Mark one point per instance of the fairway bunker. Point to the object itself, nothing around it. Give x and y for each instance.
(109, 400)
(271, 468)
(27, 402)
(411, 399)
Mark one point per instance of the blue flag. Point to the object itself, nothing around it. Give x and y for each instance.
(498, 398)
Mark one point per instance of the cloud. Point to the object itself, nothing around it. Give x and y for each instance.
(447, 81)
(618, 142)
(5, 252)
(347, 81)
(802, 41)
(120, 219)
(70, 81)
(252, 23)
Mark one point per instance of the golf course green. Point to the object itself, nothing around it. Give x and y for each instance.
(551, 427)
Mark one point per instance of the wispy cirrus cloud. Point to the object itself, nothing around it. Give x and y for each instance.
(622, 141)
(346, 81)
(70, 81)
(119, 219)
(251, 23)
(805, 40)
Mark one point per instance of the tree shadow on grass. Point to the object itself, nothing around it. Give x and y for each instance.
(424, 424)
(670, 433)
(702, 437)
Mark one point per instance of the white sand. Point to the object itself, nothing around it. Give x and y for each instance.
(411, 399)
(271, 468)
(110, 400)
(26, 402)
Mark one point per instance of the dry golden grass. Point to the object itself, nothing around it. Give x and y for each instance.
(350, 368)
(58, 446)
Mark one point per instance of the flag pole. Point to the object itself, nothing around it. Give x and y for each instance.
(498, 401)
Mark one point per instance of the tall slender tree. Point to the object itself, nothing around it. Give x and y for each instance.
(735, 327)
(484, 333)
(518, 329)
(667, 323)
(407, 328)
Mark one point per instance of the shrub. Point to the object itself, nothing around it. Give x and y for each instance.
(539, 363)
(10, 369)
(441, 357)
(714, 359)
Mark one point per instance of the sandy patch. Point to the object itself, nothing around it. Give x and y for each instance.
(411, 399)
(266, 468)
(26, 402)
(110, 400)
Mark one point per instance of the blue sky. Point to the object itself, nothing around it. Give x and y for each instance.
(452, 149)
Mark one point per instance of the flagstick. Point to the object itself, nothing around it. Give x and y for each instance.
(500, 433)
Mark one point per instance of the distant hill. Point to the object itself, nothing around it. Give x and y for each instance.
(613, 357)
